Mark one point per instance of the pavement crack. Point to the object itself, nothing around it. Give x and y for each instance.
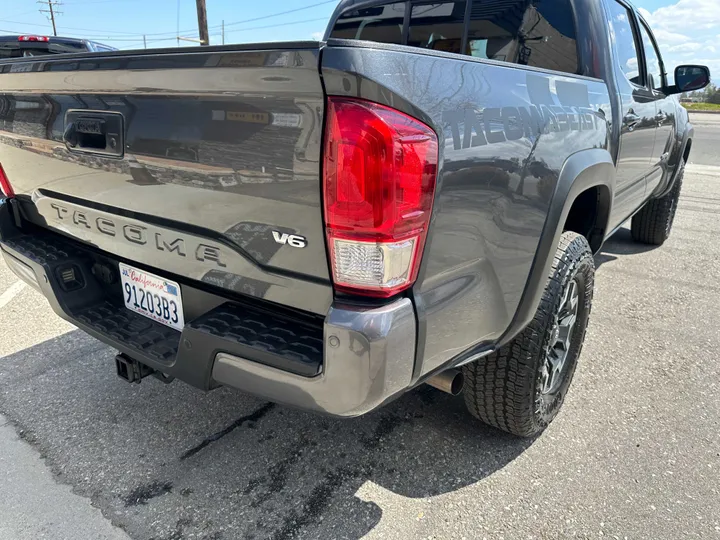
(252, 417)
(387, 424)
(142, 494)
(277, 475)
(316, 503)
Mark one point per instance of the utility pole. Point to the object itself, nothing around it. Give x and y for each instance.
(223, 32)
(202, 22)
(144, 41)
(51, 4)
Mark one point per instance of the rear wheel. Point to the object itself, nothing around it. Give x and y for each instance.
(653, 223)
(521, 387)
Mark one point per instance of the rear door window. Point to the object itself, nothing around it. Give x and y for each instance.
(539, 33)
(437, 26)
(381, 23)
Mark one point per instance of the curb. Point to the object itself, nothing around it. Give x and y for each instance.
(702, 112)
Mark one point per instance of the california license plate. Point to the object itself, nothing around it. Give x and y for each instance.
(152, 296)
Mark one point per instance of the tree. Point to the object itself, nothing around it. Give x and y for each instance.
(709, 91)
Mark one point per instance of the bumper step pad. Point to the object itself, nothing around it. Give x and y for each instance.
(135, 331)
(265, 338)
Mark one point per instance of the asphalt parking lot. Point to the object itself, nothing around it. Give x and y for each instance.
(635, 452)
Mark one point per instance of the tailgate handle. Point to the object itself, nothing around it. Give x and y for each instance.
(96, 132)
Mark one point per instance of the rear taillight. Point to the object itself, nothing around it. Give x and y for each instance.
(5, 187)
(34, 38)
(379, 180)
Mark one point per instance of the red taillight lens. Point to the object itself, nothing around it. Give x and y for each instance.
(5, 186)
(379, 181)
(34, 38)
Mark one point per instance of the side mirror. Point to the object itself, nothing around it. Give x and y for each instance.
(689, 78)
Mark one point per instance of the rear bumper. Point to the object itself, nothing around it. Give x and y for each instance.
(368, 358)
(351, 363)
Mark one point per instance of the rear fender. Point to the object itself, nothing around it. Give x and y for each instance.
(581, 171)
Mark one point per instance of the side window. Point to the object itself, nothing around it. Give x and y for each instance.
(539, 33)
(98, 47)
(437, 26)
(625, 42)
(652, 60)
(380, 23)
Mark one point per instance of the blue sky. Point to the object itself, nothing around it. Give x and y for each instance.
(688, 30)
(122, 23)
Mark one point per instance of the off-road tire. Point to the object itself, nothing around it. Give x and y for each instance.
(505, 389)
(653, 223)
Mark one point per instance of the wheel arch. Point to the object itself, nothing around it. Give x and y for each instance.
(589, 215)
(591, 169)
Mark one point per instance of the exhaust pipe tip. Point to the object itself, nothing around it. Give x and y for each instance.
(450, 381)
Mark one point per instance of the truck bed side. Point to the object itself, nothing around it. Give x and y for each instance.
(505, 134)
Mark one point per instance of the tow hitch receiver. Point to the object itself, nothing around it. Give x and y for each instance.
(131, 370)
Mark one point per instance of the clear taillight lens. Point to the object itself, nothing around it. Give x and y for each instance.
(5, 187)
(379, 181)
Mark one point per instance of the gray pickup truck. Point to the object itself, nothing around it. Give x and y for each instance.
(415, 199)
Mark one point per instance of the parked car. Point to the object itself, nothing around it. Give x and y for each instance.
(415, 199)
(30, 45)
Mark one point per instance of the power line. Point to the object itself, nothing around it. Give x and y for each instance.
(220, 34)
(24, 13)
(109, 38)
(86, 2)
(275, 25)
(75, 28)
(103, 33)
(239, 29)
(281, 13)
(146, 41)
(219, 26)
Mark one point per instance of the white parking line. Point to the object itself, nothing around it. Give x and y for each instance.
(705, 170)
(12, 292)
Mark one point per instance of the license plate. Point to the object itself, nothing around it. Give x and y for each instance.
(152, 296)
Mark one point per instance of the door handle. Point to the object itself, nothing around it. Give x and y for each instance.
(630, 120)
(660, 117)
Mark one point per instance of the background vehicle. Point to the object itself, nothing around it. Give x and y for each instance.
(29, 45)
(230, 216)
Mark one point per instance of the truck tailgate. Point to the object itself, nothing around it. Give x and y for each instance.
(214, 174)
